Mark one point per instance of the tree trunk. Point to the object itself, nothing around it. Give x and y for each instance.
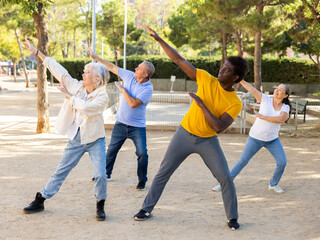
(22, 60)
(224, 48)
(74, 43)
(14, 71)
(257, 55)
(64, 55)
(42, 92)
(68, 47)
(240, 51)
(257, 61)
(239, 42)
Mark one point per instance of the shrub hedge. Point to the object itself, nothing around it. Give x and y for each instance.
(285, 70)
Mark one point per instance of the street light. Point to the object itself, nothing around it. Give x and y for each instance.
(93, 3)
(125, 35)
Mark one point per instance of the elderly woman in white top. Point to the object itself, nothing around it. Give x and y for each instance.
(265, 132)
(81, 120)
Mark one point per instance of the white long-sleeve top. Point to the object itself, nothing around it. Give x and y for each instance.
(91, 107)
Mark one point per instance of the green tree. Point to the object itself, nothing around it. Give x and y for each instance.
(19, 23)
(9, 50)
(36, 8)
(304, 35)
(259, 19)
(199, 22)
(67, 25)
(155, 14)
(110, 22)
(314, 9)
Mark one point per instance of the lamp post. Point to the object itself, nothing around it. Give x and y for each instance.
(125, 36)
(93, 3)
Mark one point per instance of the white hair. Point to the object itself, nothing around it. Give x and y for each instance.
(100, 71)
(149, 69)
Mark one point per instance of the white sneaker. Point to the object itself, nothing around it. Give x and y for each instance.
(276, 188)
(216, 188)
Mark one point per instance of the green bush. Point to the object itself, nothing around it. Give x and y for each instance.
(286, 70)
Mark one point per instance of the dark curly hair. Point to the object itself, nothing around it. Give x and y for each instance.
(240, 66)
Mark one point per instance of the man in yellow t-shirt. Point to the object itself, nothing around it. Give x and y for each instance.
(214, 108)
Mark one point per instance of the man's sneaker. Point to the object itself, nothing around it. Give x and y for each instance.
(142, 215)
(141, 186)
(233, 224)
(216, 188)
(108, 178)
(276, 188)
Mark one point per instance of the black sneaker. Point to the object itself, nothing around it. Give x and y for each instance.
(101, 216)
(141, 186)
(233, 224)
(142, 215)
(36, 206)
(108, 178)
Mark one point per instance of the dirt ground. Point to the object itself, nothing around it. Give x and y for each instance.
(188, 209)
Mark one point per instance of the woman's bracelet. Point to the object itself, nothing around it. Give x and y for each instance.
(37, 52)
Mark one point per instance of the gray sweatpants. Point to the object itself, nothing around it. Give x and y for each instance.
(181, 146)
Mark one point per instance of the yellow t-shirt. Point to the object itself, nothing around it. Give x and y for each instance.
(216, 99)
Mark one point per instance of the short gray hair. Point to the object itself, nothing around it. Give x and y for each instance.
(149, 68)
(100, 71)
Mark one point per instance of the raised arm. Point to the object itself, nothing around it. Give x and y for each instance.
(175, 56)
(58, 71)
(33, 49)
(257, 94)
(111, 67)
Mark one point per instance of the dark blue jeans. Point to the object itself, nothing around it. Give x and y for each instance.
(119, 135)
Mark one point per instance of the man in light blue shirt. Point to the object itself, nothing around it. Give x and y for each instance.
(131, 116)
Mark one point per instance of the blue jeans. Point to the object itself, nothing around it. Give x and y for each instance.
(252, 147)
(119, 135)
(71, 156)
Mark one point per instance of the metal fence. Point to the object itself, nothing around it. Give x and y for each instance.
(167, 109)
(298, 122)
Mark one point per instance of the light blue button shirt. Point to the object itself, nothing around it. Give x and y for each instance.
(135, 117)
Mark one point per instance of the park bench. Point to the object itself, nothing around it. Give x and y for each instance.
(302, 108)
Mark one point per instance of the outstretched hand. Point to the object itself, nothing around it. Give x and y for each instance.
(152, 33)
(29, 46)
(64, 91)
(91, 53)
(120, 86)
(257, 114)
